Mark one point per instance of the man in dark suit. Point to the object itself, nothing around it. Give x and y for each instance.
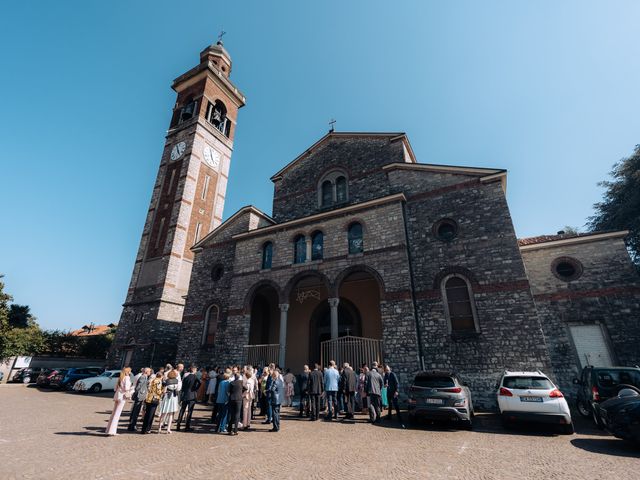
(393, 386)
(316, 387)
(349, 384)
(188, 394)
(303, 383)
(235, 403)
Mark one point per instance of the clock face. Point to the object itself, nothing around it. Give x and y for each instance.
(212, 157)
(178, 150)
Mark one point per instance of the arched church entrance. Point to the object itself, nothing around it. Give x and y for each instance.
(264, 327)
(349, 323)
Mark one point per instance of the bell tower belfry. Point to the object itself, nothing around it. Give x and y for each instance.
(186, 204)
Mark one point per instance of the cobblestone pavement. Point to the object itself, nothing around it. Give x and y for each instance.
(56, 435)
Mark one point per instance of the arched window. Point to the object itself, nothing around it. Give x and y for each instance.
(188, 110)
(459, 307)
(327, 193)
(267, 255)
(217, 116)
(333, 188)
(210, 325)
(299, 249)
(356, 244)
(341, 189)
(316, 246)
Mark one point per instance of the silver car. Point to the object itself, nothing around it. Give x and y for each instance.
(440, 395)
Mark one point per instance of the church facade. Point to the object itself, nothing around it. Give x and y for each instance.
(367, 255)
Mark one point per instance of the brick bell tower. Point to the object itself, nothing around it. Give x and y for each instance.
(186, 204)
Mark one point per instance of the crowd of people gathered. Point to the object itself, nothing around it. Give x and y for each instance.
(240, 394)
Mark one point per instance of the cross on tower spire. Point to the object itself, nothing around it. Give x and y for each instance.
(220, 35)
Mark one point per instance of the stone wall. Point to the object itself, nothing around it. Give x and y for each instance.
(607, 293)
(360, 157)
(485, 251)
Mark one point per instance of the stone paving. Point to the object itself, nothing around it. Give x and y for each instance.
(56, 435)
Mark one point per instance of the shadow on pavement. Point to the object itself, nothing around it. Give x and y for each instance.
(607, 446)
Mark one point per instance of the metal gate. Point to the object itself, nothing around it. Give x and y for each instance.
(355, 350)
(261, 355)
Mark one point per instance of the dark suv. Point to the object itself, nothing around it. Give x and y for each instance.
(440, 395)
(64, 380)
(597, 384)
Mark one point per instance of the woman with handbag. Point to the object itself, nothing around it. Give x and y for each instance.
(122, 394)
(170, 404)
(151, 402)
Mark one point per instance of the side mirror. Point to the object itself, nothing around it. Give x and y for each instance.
(577, 381)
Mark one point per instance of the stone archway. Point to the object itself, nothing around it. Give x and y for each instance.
(349, 323)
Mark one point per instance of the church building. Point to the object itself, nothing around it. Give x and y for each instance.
(367, 255)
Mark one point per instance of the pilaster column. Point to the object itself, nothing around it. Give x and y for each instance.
(333, 303)
(284, 308)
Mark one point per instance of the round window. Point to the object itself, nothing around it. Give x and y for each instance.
(445, 229)
(217, 272)
(566, 268)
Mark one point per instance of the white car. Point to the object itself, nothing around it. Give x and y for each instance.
(107, 380)
(532, 397)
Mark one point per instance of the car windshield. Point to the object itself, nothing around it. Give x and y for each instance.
(105, 374)
(527, 383)
(434, 382)
(611, 378)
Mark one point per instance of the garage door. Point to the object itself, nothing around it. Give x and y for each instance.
(591, 345)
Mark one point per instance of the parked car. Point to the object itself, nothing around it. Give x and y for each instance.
(440, 395)
(107, 380)
(44, 379)
(27, 375)
(620, 415)
(532, 397)
(72, 375)
(597, 384)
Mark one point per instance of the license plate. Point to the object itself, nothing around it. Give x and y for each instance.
(435, 401)
(531, 399)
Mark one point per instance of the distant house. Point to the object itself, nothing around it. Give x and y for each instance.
(91, 330)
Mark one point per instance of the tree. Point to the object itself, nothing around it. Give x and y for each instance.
(20, 316)
(620, 207)
(24, 339)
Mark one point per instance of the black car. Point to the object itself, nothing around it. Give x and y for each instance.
(66, 378)
(620, 415)
(27, 375)
(440, 395)
(597, 384)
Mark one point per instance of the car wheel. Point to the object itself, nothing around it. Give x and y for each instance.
(568, 429)
(467, 425)
(26, 380)
(583, 409)
(596, 418)
(95, 388)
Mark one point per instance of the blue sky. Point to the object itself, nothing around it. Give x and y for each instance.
(546, 89)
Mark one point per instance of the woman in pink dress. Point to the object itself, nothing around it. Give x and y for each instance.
(123, 391)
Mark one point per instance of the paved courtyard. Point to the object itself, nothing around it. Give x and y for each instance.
(54, 435)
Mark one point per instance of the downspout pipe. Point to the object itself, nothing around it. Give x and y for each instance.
(412, 286)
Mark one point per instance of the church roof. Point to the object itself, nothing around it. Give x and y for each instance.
(565, 238)
(391, 135)
(229, 221)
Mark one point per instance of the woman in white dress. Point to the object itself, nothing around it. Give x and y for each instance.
(169, 405)
(122, 393)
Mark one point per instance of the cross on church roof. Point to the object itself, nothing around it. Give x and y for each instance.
(332, 124)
